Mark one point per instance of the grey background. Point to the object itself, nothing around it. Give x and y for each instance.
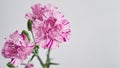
(95, 36)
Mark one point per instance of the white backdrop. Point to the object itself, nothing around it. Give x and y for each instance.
(95, 37)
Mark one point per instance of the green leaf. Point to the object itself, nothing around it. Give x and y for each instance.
(10, 65)
(54, 63)
(26, 33)
(29, 25)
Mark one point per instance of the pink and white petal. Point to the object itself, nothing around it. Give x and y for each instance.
(55, 44)
(45, 43)
(14, 36)
(51, 44)
(16, 61)
(29, 16)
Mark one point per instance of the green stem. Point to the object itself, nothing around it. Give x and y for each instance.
(31, 58)
(33, 37)
(48, 55)
(48, 61)
(41, 62)
(35, 53)
(34, 44)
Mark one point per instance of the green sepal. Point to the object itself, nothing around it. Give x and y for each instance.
(35, 51)
(26, 33)
(10, 65)
(29, 25)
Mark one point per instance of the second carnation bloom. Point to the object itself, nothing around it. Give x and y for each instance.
(49, 26)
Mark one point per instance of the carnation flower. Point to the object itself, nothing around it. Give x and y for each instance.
(49, 25)
(17, 48)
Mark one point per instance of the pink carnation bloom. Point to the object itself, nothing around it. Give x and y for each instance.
(17, 48)
(49, 26)
(29, 66)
